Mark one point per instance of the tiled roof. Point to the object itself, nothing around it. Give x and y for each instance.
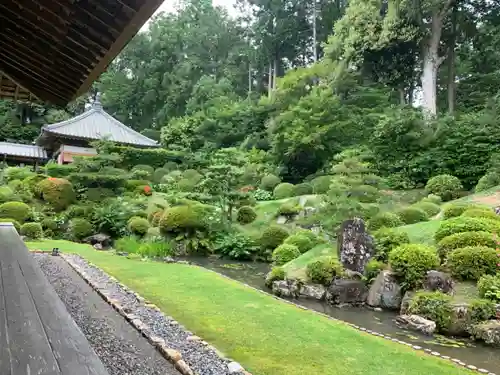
(27, 151)
(96, 124)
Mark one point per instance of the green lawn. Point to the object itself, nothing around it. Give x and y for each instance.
(266, 336)
(422, 232)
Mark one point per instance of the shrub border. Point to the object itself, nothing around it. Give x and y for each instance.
(175, 357)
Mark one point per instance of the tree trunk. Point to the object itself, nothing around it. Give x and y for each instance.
(270, 81)
(275, 73)
(431, 62)
(451, 63)
(402, 96)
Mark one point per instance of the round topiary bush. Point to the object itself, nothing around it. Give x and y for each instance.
(192, 174)
(302, 189)
(384, 219)
(246, 215)
(433, 198)
(283, 190)
(289, 209)
(470, 263)
(464, 239)
(454, 209)
(387, 239)
(186, 185)
(33, 231)
(488, 181)
(431, 209)
(14, 223)
(49, 224)
(269, 182)
(272, 237)
(138, 225)
(6, 194)
(412, 215)
(465, 224)
(323, 270)
(276, 274)
(486, 213)
(302, 242)
(446, 186)
(144, 167)
(315, 240)
(158, 174)
(321, 184)
(58, 192)
(80, 228)
(285, 253)
(18, 211)
(183, 219)
(411, 262)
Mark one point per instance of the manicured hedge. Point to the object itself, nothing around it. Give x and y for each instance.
(155, 157)
(464, 239)
(466, 224)
(412, 215)
(246, 215)
(284, 254)
(431, 209)
(283, 190)
(446, 186)
(302, 242)
(387, 239)
(272, 237)
(33, 231)
(470, 263)
(17, 211)
(384, 219)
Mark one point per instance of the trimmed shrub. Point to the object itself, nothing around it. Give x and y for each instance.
(323, 270)
(489, 287)
(433, 198)
(411, 262)
(465, 224)
(32, 231)
(446, 186)
(155, 249)
(269, 182)
(486, 213)
(100, 180)
(151, 215)
(58, 192)
(246, 215)
(17, 173)
(488, 181)
(412, 215)
(283, 190)
(49, 224)
(435, 306)
(302, 242)
(59, 170)
(373, 268)
(6, 194)
(78, 211)
(481, 310)
(18, 211)
(315, 239)
(138, 225)
(302, 189)
(14, 222)
(429, 208)
(158, 174)
(464, 239)
(143, 167)
(192, 174)
(128, 245)
(470, 263)
(186, 185)
(384, 219)
(272, 237)
(455, 209)
(387, 239)
(276, 274)
(365, 193)
(285, 253)
(80, 228)
(289, 209)
(131, 185)
(321, 184)
(183, 219)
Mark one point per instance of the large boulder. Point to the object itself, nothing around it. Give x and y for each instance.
(354, 245)
(385, 292)
(438, 281)
(286, 288)
(461, 320)
(342, 291)
(99, 241)
(488, 331)
(313, 291)
(416, 323)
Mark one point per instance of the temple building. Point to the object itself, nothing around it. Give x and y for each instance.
(64, 140)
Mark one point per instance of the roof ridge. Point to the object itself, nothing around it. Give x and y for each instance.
(122, 125)
(79, 117)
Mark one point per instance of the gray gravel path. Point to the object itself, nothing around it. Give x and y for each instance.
(122, 349)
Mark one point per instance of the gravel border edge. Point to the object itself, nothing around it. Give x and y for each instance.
(174, 357)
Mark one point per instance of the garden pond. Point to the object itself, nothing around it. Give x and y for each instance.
(468, 351)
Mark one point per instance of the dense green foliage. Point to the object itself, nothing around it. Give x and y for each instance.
(323, 270)
(435, 306)
(384, 219)
(246, 215)
(412, 215)
(470, 263)
(18, 211)
(464, 239)
(411, 262)
(302, 242)
(465, 224)
(80, 228)
(445, 186)
(285, 253)
(277, 273)
(373, 268)
(489, 287)
(32, 231)
(386, 240)
(272, 237)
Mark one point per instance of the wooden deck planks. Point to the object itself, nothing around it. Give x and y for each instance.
(38, 334)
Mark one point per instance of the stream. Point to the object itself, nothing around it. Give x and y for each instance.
(470, 352)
